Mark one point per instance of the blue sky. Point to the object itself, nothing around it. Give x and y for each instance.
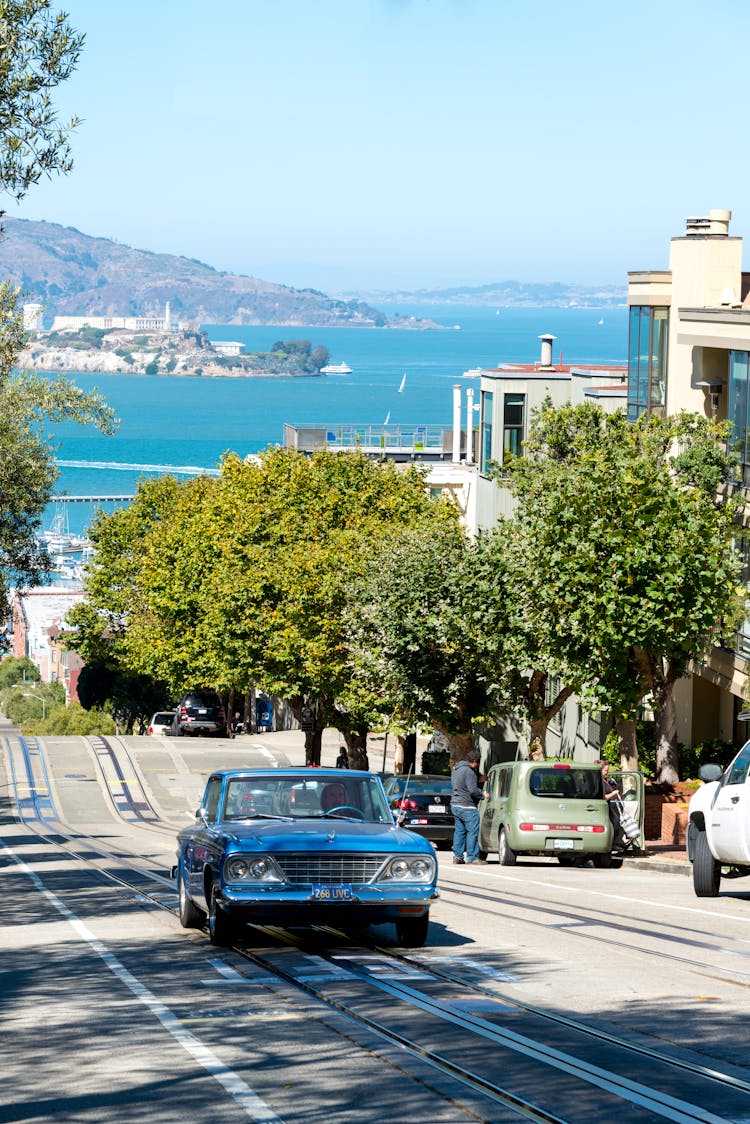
(405, 143)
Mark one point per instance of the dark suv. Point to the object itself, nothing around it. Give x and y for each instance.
(200, 712)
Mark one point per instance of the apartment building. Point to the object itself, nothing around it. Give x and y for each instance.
(689, 349)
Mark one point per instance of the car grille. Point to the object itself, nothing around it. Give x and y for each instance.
(357, 869)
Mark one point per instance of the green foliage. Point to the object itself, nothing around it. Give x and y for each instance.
(622, 550)
(13, 671)
(247, 577)
(72, 719)
(437, 762)
(131, 699)
(23, 705)
(40, 51)
(429, 623)
(152, 368)
(715, 750)
(27, 467)
(645, 734)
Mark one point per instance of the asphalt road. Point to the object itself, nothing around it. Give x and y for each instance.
(112, 1012)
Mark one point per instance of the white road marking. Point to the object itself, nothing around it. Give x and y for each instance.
(238, 1089)
(618, 897)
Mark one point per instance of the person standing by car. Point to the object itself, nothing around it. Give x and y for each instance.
(465, 796)
(612, 796)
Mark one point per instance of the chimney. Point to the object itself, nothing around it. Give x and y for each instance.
(546, 359)
(456, 423)
(470, 425)
(717, 224)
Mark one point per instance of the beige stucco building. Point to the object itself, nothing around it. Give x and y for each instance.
(689, 349)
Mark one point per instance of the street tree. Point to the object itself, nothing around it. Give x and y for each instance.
(244, 579)
(430, 624)
(622, 557)
(39, 51)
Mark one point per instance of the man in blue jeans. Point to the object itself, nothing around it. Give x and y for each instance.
(465, 796)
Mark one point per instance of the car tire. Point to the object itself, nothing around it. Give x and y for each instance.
(505, 854)
(190, 916)
(411, 932)
(706, 870)
(221, 929)
(603, 861)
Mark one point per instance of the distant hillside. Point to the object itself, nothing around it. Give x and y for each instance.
(508, 294)
(71, 273)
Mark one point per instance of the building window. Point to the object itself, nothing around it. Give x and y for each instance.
(514, 410)
(647, 361)
(486, 427)
(738, 407)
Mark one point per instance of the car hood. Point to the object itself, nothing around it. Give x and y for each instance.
(317, 835)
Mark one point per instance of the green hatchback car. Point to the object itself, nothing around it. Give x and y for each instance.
(546, 808)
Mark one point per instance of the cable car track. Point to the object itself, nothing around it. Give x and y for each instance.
(574, 925)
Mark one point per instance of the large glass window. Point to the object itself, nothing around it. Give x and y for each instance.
(737, 409)
(486, 426)
(514, 409)
(647, 360)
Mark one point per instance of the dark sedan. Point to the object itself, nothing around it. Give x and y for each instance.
(422, 803)
(301, 847)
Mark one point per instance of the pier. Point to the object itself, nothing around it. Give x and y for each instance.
(93, 499)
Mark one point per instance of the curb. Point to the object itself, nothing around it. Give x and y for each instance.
(662, 866)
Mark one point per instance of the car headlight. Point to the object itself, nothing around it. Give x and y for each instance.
(251, 869)
(410, 868)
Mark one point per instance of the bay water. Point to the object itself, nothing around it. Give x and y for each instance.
(184, 425)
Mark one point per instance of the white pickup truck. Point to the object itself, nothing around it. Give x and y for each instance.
(718, 832)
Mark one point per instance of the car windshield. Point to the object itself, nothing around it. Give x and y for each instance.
(572, 784)
(421, 784)
(300, 797)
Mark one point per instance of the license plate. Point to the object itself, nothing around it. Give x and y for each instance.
(202, 711)
(436, 808)
(417, 820)
(564, 844)
(325, 892)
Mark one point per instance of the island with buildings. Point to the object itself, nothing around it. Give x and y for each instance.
(157, 345)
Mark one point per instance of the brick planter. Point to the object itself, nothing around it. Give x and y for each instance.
(666, 818)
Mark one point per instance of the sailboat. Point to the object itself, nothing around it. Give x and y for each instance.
(403, 384)
(602, 320)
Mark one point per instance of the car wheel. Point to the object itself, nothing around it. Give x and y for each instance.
(411, 932)
(505, 854)
(603, 861)
(190, 916)
(221, 928)
(706, 870)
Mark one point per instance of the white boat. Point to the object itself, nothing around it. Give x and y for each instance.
(59, 539)
(474, 373)
(335, 369)
(403, 384)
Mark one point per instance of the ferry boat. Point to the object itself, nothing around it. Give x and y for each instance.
(336, 369)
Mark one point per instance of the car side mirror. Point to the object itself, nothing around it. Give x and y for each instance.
(710, 772)
(201, 814)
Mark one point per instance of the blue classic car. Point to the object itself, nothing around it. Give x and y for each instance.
(302, 847)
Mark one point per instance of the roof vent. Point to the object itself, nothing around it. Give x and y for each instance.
(717, 223)
(546, 358)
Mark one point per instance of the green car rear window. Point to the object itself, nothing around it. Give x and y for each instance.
(571, 784)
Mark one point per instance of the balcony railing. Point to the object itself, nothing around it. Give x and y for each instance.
(410, 440)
